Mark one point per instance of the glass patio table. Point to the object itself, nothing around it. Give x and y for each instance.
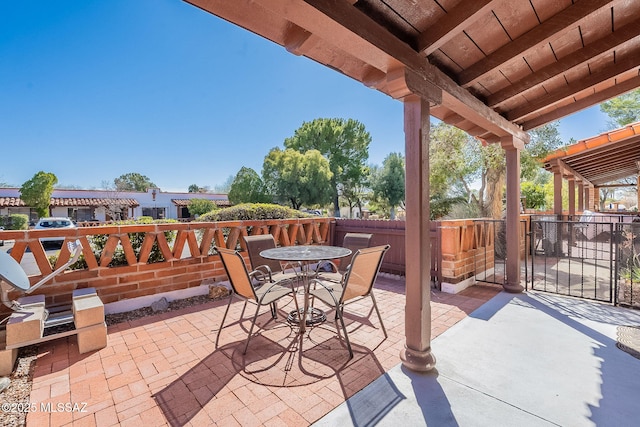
(306, 255)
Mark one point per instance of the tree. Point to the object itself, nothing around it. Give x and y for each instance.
(225, 186)
(199, 207)
(115, 204)
(623, 109)
(36, 192)
(345, 143)
(455, 164)
(194, 188)
(133, 182)
(355, 192)
(534, 194)
(247, 187)
(296, 178)
(390, 182)
(543, 140)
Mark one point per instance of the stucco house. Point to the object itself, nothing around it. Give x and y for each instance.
(105, 205)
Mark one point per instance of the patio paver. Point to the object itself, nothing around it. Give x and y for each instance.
(165, 369)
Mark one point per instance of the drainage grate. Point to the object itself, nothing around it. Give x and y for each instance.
(629, 340)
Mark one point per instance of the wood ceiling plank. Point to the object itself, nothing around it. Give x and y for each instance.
(360, 26)
(546, 31)
(516, 17)
(487, 33)
(620, 67)
(421, 14)
(596, 26)
(462, 50)
(540, 57)
(581, 56)
(454, 22)
(514, 71)
(624, 12)
(567, 43)
(576, 74)
(545, 9)
(384, 15)
(597, 98)
(443, 62)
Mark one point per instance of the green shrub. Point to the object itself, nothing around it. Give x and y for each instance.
(99, 241)
(250, 212)
(15, 222)
(253, 211)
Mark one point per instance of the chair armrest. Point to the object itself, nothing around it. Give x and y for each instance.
(260, 272)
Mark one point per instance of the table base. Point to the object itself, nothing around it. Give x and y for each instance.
(314, 316)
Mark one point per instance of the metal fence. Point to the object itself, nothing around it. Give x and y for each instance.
(595, 257)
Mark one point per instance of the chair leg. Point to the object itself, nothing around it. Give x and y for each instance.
(253, 322)
(344, 328)
(224, 317)
(375, 305)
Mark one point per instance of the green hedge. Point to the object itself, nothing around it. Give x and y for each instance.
(253, 211)
(99, 241)
(15, 222)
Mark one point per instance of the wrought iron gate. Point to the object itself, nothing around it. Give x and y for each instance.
(594, 257)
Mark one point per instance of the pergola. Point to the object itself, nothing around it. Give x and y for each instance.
(600, 161)
(494, 68)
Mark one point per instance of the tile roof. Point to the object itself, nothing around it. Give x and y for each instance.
(185, 202)
(601, 159)
(71, 202)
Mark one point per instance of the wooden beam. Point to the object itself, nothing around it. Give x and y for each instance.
(576, 87)
(583, 103)
(361, 25)
(445, 29)
(573, 89)
(546, 31)
(574, 59)
(571, 171)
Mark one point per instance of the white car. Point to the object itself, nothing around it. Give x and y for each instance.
(51, 223)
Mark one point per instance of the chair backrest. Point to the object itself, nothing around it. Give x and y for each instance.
(257, 244)
(363, 271)
(237, 272)
(353, 241)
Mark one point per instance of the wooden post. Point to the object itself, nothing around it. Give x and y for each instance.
(417, 354)
(572, 196)
(512, 154)
(580, 196)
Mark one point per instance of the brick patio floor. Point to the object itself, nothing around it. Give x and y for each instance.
(166, 370)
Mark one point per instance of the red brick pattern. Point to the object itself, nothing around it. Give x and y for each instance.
(166, 370)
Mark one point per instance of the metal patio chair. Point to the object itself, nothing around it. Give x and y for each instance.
(242, 287)
(352, 241)
(357, 282)
(272, 270)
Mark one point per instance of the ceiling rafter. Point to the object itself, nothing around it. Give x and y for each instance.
(583, 103)
(574, 59)
(445, 29)
(539, 34)
(459, 98)
(576, 87)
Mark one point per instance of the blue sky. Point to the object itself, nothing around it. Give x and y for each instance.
(93, 89)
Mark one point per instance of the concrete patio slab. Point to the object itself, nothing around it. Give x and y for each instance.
(528, 360)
